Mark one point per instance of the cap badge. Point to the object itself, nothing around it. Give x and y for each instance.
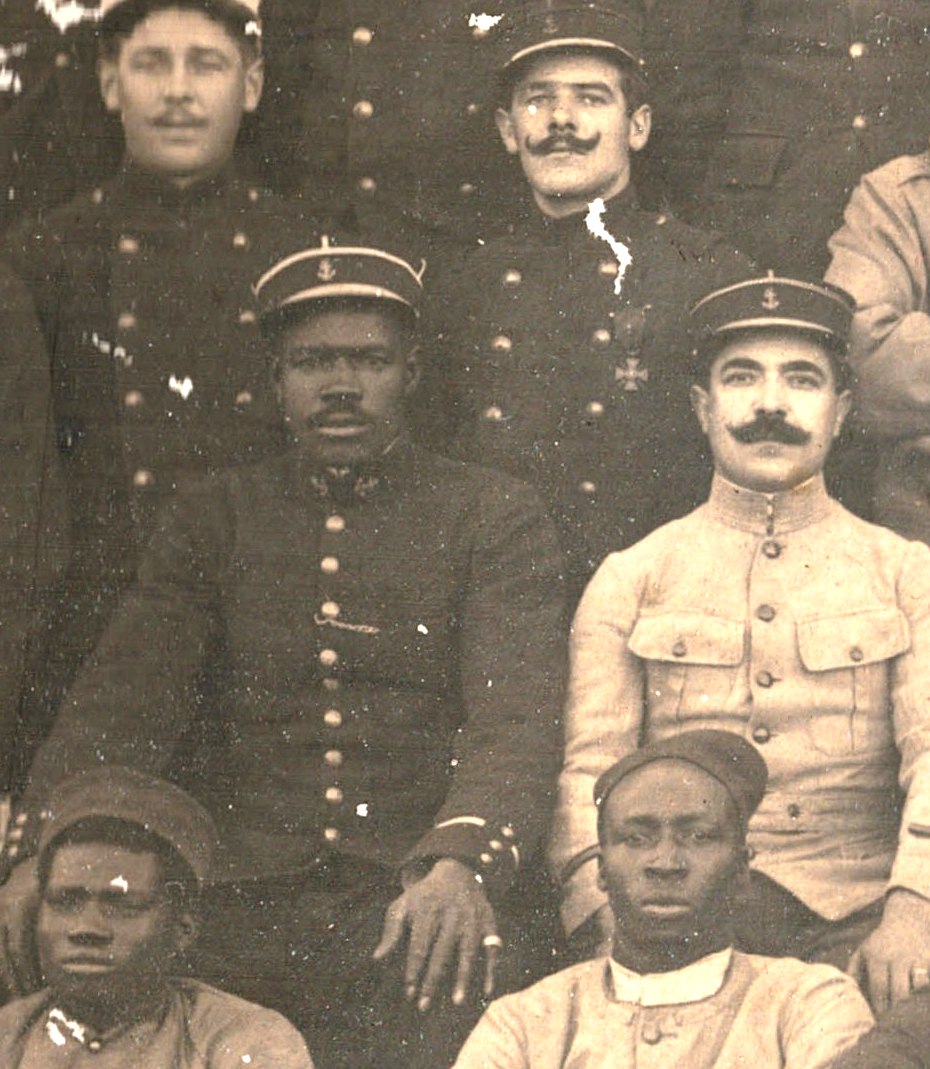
(770, 299)
(326, 272)
(550, 25)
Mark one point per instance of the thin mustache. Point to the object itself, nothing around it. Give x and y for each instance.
(765, 429)
(177, 118)
(319, 419)
(569, 141)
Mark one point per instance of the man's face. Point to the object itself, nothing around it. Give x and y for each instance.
(180, 85)
(569, 125)
(671, 860)
(771, 411)
(105, 931)
(343, 378)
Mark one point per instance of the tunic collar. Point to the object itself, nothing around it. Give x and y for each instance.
(768, 514)
(558, 230)
(344, 486)
(693, 983)
(134, 184)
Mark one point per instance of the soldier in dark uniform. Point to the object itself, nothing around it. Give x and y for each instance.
(772, 109)
(368, 639)
(142, 288)
(568, 335)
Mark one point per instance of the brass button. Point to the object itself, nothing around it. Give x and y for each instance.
(133, 398)
(466, 189)
(243, 397)
(335, 524)
(253, 195)
(62, 61)
(246, 316)
(761, 735)
(330, 684)
(594, 408)
(794, 811)
(142, 478)
(333, 795)
(508, 832)
(501, 344)
(329, 658)
(240, 240)
(329, 565)
(765, 679)
(361, 36)
(771, 549)
(512, 277)
(661, 220)
(329, 609)
(333, 758)
(856, 654)
(610, 268)
(472, 109)
(860, 122)
(765, 613)
(679, 649)
(367, 184)
(127, 245)
(331, 835)
(126, 321)
(97, 196)
(493, 414)
(363, 109)
(858, 49)
(601, 336)
(496, 845)
(485, 859)
(332, 718)
(587, 487)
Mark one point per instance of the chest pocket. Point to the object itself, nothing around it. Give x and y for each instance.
(693, 663)
(855, 648)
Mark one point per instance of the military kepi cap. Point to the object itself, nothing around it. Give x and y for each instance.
(786, 303)
(724, 755)
(538, 27)
(340, 269)
(246, 7)
(119, 793)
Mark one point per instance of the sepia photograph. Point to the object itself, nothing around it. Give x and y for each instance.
(465, 534)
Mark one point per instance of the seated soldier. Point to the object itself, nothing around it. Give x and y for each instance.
(774, 613)
(122, 861)
(672, 832)
(354, 654)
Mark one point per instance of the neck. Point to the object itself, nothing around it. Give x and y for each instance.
(115, 1009)
(557, 206)
(647, 956)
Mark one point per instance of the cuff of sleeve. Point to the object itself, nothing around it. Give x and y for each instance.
(581, 896)
(491, 850)
(911, 869)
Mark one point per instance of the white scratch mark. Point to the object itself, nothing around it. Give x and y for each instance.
(482, 22)
(253, 29)
(594, 221)
(246, 1059)
(423, 629)
(67, 14)
(361, 810)
(120, 883)
(55, 1034)
(182, 386)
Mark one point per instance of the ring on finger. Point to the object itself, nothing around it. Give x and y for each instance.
(920, 977)
(493, 940)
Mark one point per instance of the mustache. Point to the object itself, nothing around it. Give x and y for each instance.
(769, 429)
(177, 118)
(335, 412)
(558, 141)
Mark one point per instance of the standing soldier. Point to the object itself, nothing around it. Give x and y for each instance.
(567, 335)
(142, 289)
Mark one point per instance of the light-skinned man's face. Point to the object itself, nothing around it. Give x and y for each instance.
(344, 375)
(106, 932)
(771, 410)
(568, 122)
(180, 84)
(672, 858)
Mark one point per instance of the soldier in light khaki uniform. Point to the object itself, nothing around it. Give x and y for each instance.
(773, 612)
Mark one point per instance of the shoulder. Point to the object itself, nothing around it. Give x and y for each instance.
(899, 173)
(553, 994)
(857, 532)
(215, 1014)
(18, 1016)
(488, 487)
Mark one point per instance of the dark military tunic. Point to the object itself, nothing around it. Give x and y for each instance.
(144, 295)
(580, 391)
(772, 109)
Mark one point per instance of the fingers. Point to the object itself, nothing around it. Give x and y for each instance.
(492, 953)
(878, 971)
(440, 955)
(394, 923)
(424, 925)
(899, 981)
(469, 942)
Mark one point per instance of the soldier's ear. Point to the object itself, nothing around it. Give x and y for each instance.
(505, 128)
(640, 127)
(843, 405)
(186, 930)
(108, 80)
(412, 369)
(700, 402)
(254, 82)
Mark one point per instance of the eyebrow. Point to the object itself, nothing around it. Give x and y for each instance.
(754, 365)
(603, 86)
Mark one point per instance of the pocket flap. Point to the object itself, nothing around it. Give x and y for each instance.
(853, 639)
(688, 638)
(748, 160)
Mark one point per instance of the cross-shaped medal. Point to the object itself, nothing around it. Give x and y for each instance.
(628, 328)
(631, 375)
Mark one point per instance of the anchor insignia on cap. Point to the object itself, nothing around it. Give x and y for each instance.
(770, 299)
(550, 25)
(326, 272)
